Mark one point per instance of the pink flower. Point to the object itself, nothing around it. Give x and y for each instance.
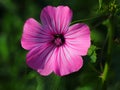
(54, 45)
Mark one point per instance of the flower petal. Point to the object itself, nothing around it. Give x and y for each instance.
(66, 61)
(33, 35)
(39, 58)
(57, 19)
(78, 38)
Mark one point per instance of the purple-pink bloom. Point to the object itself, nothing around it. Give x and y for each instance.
(54, 45)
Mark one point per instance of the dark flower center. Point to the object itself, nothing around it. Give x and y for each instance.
(59, 39)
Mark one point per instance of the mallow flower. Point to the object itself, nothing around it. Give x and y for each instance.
(55, 45)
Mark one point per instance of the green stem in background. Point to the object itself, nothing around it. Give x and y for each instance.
(102, 51)
(93, 68)
(109, 25)
(88, 19)
(104, 76)
(100, 4)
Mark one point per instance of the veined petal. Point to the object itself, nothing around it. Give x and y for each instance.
(57, 19)
(33, 35)
(78, 38)
(39, 59)
(70, 42)
(66, 62)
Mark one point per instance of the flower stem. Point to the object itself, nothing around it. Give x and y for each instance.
(104, 76)
(109, 50)
(88, 19)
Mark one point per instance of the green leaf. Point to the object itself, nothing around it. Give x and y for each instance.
(92, 53)
(100, 4)
(93, 57)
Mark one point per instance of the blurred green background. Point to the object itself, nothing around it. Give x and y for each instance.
(16, 75)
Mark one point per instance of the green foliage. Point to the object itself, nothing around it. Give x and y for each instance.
(92, 53)
(16, 75)
(3, 47)
(100, 4)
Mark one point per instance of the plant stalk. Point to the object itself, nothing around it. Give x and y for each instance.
(109, 51)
